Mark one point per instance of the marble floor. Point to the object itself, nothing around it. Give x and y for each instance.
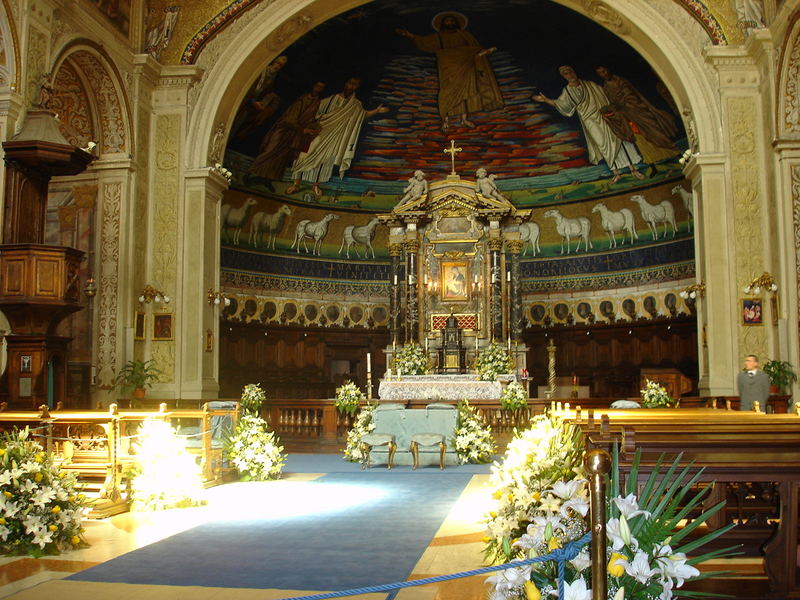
(456, 547)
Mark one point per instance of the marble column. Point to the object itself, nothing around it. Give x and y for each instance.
(395, 304)
(412, 295)
(515, 301)
(495, 298)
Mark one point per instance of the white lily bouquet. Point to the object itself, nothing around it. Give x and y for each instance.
(492, 361)
(253, 448)
(655, 395)
(646, 553)
(362, 426)
(411, 359)
(537, 458)
(40, 506)
(165, 475)
(513, 397)
(473, 441)
(348, 398)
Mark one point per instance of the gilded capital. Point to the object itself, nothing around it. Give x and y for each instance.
(515, 246)
(395, 249)
(412, 246)
(495, 245)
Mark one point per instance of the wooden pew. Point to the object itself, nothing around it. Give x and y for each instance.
(744, 452)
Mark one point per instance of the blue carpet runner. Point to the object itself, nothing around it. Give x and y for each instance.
(371, 542)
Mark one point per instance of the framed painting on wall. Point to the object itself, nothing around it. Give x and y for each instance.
(162, 327)
(138, 326)
(454, 280)
(752, 311)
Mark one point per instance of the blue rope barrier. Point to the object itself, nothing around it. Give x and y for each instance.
(561, 555)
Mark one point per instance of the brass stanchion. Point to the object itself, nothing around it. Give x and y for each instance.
(597, 463)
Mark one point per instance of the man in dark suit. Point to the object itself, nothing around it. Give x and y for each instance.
(753, 384)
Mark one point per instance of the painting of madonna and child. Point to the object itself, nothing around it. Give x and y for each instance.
(556, 107)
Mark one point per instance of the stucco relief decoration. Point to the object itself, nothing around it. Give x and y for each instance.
(288, 31)
(796, 215)
(166, 221)
(108, 286)
(747, 211)
(3, 60)
(791, 96)
(163, 354)
(71, 103)
(112, 123)
(37, 57)
(607, 16)
(140, 221)
(215, 25)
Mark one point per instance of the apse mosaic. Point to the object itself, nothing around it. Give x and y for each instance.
(566, 118)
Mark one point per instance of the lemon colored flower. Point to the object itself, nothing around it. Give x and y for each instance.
(75, 540)
(554, 544)
(53, 527)
(531, 591)
(614, 568)
(7, 494)
(56, 509)
(38, 477)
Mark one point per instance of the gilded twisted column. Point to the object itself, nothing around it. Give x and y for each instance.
(515, 301)
(551, 369)
(495, 299)
(412, 303)
(395, 280)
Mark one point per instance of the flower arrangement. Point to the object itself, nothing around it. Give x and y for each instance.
(473, 441)
(255, 450)
(40, 507)
(411, 359)
(492, 361)
(537, 458)
(655, 395)
(348, 398)
(646, 551)
(165, 475)
(513, 397)
(253, 397)
(362, 426)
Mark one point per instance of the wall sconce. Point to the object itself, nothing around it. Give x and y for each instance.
(151, 294)
(763, 283)
(693, 291)
(90, 288)
(217, 298)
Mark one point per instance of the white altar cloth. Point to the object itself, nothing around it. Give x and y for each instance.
(440, 387)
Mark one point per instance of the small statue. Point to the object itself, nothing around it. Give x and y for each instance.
(417, 187)
(215, 150)
(486, 186)
(45, 92)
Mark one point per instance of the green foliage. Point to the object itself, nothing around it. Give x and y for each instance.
(362, 426)
(40, 507)
(255, 450)
(493, 360)
(473, 441)
(655, 396)
(253, 397)
(136, 374)
(514, 397)
(781, 373)
(348, 398)
(411, 359)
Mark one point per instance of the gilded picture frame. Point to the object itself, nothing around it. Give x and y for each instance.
(454, 280)
(139, 324)
(163, 327)
(752, 311)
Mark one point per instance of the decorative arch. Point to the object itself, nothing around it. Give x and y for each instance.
(268, 32)
(9, 49)
(788, 105)
(88, 87)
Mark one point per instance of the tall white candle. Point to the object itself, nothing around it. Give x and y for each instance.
(508, 275)
(369, 362)
(426, 344)
(395, 278)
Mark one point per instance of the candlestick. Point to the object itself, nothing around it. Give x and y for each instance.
(509, 343)
(476, 342)
(426, 344)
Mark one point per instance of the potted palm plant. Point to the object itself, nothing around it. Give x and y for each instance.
(135, 376)
(781, 374)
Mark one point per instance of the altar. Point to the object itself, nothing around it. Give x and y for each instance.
(440, 387)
